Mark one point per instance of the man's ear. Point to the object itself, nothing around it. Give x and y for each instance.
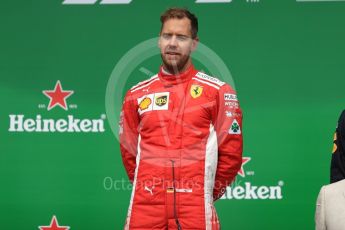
(195, 43)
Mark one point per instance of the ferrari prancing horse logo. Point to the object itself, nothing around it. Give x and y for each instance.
(195, 91)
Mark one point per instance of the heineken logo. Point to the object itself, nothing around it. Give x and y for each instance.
(247, 190)
(69, 123)
(253, 192)
(18, 123)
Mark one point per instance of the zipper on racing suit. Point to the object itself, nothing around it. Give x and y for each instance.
(175, 212)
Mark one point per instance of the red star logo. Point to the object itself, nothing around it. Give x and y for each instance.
(245, 160)
(54, 225)
(57, 96)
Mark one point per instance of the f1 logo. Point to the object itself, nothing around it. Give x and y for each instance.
(91, 2)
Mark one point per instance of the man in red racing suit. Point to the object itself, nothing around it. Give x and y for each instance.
(181, 145)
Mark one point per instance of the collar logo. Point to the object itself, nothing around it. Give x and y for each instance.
(196, 91)
(58, 96)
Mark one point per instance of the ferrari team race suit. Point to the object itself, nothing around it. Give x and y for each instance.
(181, 145)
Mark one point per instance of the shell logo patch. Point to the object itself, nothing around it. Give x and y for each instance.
(196, 91)
(145, 103)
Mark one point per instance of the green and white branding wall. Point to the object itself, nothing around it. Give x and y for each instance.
(60, 165)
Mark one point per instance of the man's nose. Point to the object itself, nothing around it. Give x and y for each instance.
(173, 41)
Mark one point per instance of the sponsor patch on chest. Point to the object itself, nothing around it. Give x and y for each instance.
(196, 91)
(153, 101)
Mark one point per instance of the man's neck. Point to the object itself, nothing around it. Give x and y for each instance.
(166, 71)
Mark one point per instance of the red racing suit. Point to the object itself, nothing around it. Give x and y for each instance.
(181, 145)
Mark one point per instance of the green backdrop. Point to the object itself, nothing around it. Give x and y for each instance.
(286, 59)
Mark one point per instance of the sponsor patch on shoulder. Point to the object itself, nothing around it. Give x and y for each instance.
(230, 97)
(235, 128)
(231, 104)
(228, 113)
(232, 114)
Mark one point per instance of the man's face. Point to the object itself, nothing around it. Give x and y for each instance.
(176, 44)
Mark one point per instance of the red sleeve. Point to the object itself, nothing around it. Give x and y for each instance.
(128, 132)
(228, 126)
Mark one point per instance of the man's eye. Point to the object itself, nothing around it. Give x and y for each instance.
(182, 38)
(166, 36)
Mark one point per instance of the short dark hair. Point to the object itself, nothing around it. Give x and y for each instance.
(181, 13)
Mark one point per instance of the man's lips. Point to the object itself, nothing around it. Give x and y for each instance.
(172, 53)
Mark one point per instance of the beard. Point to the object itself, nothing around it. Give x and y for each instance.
(174, 65)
